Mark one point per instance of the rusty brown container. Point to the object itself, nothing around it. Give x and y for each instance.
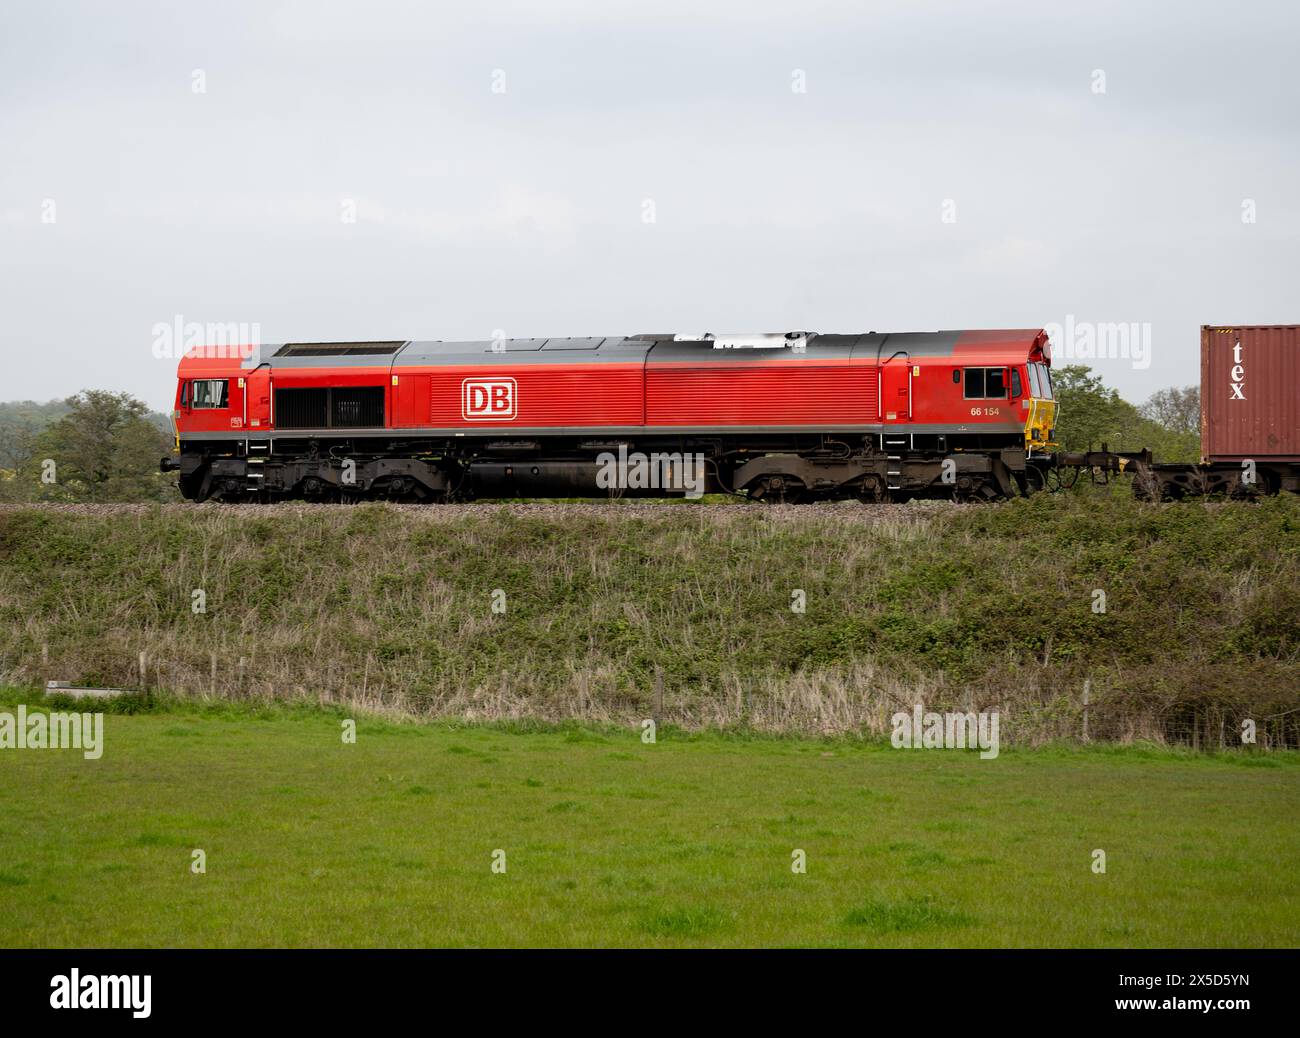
(1250, 392)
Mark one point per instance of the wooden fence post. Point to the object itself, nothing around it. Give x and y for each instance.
(1087, 685)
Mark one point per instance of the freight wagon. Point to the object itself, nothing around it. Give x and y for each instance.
(1250, 417)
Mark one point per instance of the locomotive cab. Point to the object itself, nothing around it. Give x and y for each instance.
(1039, 405)
(209, 404)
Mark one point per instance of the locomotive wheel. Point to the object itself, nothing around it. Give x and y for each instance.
(778, 489)
(787, 490)
(975, 491)
(872, 490)
(1029, 482)
(1033, 481)
(229, 491)
(970, 490)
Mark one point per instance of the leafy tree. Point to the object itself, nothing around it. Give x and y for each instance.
(1091, 414)
(20, 421)
(15, 450)
(1087, 411)
(105, 448)
(1178, 410)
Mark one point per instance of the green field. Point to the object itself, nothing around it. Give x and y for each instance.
(608, 841)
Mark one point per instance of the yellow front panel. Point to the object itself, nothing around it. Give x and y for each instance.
(1039, 424)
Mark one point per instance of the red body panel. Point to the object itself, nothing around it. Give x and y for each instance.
(546, 396)
(774, 392)
(904, 381)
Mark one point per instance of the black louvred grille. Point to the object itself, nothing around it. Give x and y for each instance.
(338, 349)
(301, 408)
(357, 408)
(351, 407)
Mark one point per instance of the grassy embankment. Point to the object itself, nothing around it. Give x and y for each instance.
(615, 613)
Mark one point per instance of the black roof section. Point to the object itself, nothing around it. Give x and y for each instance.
(339, 349)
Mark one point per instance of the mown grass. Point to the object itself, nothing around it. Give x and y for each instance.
(612, 842)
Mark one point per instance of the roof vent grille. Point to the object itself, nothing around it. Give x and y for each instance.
(751, 341)
(339, 349)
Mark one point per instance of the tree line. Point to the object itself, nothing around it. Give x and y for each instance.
(1090, 414)
(95, 446)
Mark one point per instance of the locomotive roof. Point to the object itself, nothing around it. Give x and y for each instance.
(985, 345)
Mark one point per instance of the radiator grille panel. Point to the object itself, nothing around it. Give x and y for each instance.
(357, 408)
(353, 407)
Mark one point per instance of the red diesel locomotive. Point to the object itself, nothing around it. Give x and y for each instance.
(788, 416)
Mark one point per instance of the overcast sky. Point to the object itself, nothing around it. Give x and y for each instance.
(592, 168)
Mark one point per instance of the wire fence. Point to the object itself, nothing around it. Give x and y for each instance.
(861, 701)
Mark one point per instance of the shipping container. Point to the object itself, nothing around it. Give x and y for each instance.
(1250, 393)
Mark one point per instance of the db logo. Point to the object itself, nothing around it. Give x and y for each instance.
(487, 399)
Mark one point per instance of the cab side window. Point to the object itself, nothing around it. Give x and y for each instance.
(1015, 382)
(209, 392)
(986, 384)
